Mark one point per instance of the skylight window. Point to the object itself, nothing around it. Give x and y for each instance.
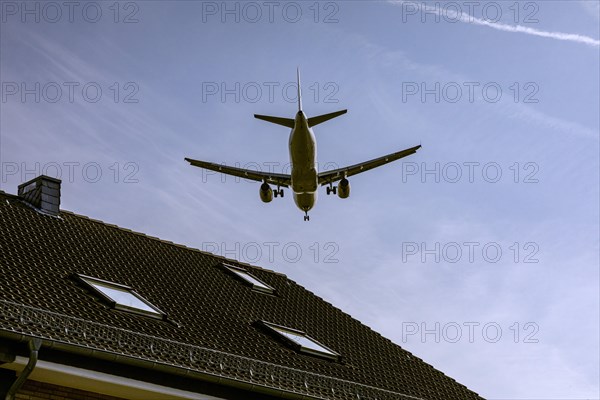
(256, 283)
(301, 341)
(121, 297)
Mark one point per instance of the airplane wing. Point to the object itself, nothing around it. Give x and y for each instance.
(282, 180)
(327, 177)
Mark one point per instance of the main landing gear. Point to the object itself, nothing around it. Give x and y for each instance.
(306, 216)
(278, 192)
(331, 189)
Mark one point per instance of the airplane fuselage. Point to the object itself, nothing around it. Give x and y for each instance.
(303, 159)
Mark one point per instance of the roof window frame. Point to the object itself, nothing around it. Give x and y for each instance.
(88, 281)
(275, 329)
(238, 272)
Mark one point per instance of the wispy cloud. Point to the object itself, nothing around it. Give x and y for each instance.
(467, 18)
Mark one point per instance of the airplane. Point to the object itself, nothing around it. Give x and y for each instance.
(304, 179)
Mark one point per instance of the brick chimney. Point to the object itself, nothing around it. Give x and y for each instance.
(43, 193)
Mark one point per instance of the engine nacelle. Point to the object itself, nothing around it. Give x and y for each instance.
(266, 193)
(343, 188)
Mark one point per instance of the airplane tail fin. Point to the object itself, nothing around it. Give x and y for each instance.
(299, 90)
(290, 123)
(325, 117)
(276, 120)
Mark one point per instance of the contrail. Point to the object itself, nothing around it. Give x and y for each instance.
(467, 18)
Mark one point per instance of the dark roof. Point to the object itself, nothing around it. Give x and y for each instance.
(211, 323)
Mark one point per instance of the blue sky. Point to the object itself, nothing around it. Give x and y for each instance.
(527, 109)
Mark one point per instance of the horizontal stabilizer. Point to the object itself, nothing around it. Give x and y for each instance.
(276, 120)
(325, 117)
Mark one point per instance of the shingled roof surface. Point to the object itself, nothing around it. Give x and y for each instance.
(206, 308)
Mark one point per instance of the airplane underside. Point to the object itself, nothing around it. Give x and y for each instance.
(304, 179)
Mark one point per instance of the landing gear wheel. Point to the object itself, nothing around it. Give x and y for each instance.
(329, 189)
(307, 217)
(281, 192)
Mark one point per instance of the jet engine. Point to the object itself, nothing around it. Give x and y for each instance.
(343, 189)
(266, 193)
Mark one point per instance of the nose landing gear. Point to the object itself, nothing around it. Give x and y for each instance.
(306, 216)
